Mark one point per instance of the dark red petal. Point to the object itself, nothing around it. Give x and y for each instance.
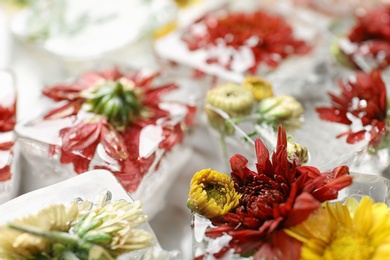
(80, 159)
(64, 92)
(172, 135)
(7, 118)
(310, 171)
(113, 143)
(356, 137)
(262, 155)
(69, 109)
(280, 246)
(153, 96)
(340, 171)
(238, 163)
(330, 190)
(333, 115)
(270, 225)
(80, 136)
(143, 80)
(303, 206)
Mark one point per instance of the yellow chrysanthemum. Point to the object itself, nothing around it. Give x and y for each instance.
(350, 231)
(212, 194)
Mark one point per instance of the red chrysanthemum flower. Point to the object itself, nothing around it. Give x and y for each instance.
(362, 100)
(125, 105)
(269, 38)
(371, 36)
(279, 195)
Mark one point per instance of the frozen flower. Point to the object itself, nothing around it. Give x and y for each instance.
(79, 143)
(285, 110)
(116, 100)
(362, 101)
(280, 194)
(232, 99)
(122, 98)
(358, 231)
(367, 42)
(113, 227)
(19, 245)
(7, 118)
(102, 233)
(212, 194)
(260, 87)
(123, 105)
(267, 37)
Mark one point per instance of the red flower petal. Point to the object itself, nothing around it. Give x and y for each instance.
(113, 143)
(6, 146)
(333, 115)
(7, 118)
(80, 136)
(69, 109)
(280, 247)
(303, 206)
(172, 136)
(5, 173)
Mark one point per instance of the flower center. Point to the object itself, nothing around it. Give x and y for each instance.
(216, 192)
(349, 244)
(117, 100)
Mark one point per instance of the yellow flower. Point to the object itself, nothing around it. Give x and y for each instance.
(259, 87)
(186, 3)
(212, 194)
(350, 231)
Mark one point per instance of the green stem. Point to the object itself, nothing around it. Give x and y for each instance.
(224, 147)
(256, 116)
(56, 236)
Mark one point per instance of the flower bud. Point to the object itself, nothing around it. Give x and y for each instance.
(296, 151)
(212, 194)
(233, 99)
(259, 87)
(285, 110)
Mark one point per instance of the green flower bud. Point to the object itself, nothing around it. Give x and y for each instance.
(285, 110)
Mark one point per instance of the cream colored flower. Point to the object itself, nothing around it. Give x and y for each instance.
(297, 151)
(285, 110)
(232, 99)
(116, 229)
(18, 245)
